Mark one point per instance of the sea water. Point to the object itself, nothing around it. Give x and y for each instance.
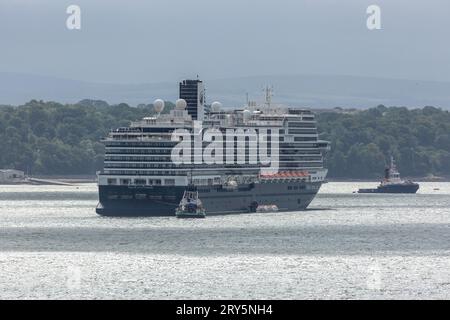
(346, 246)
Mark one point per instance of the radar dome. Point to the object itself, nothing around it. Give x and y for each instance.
(181, 104)
(216, 106)
(247, 115)
(158, 105)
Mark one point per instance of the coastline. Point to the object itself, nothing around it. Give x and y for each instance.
(82, 179)
(53, 180)
(417, 179)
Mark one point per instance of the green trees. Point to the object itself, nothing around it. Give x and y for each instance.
(51, 138)
(363, 141)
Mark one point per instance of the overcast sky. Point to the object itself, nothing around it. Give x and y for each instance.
(133, 41)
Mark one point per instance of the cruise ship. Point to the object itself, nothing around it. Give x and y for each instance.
(238, 160)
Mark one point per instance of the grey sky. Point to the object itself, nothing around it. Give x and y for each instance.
(133, 41)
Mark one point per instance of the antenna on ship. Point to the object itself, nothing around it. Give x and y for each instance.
(189, 177)
(268, 95)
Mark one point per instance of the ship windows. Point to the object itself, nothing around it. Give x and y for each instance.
(302, 131)
(169, 182)
(305, 139)
(125, 182)
(140, 182)
(299, 201)
(301, 125)
(289, 187)
(154, 182)
(112, 181)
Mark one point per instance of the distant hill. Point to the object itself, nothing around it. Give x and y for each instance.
(298, 90)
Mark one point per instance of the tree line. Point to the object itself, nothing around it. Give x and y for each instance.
(49, 138)
(362, 142)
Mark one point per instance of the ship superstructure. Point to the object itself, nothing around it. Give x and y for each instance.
(237, 160)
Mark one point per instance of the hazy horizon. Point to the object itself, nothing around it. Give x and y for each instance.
(295, 90)
(194, 76)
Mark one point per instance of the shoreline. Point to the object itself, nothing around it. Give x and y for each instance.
(421, 179)
(30, 181)
(81, 181)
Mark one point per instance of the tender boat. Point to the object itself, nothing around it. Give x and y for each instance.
(190, 205)
(267, 208)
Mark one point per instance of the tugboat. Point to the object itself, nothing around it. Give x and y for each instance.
(392, 182)
(190, 205)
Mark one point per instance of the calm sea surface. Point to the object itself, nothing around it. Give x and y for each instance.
(53, 245)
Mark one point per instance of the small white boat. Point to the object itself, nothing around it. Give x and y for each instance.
(267, 208)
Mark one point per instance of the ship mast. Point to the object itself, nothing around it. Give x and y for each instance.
(268, 96)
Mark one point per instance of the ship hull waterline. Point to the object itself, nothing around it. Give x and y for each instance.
(412, 188)
(130, 201)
